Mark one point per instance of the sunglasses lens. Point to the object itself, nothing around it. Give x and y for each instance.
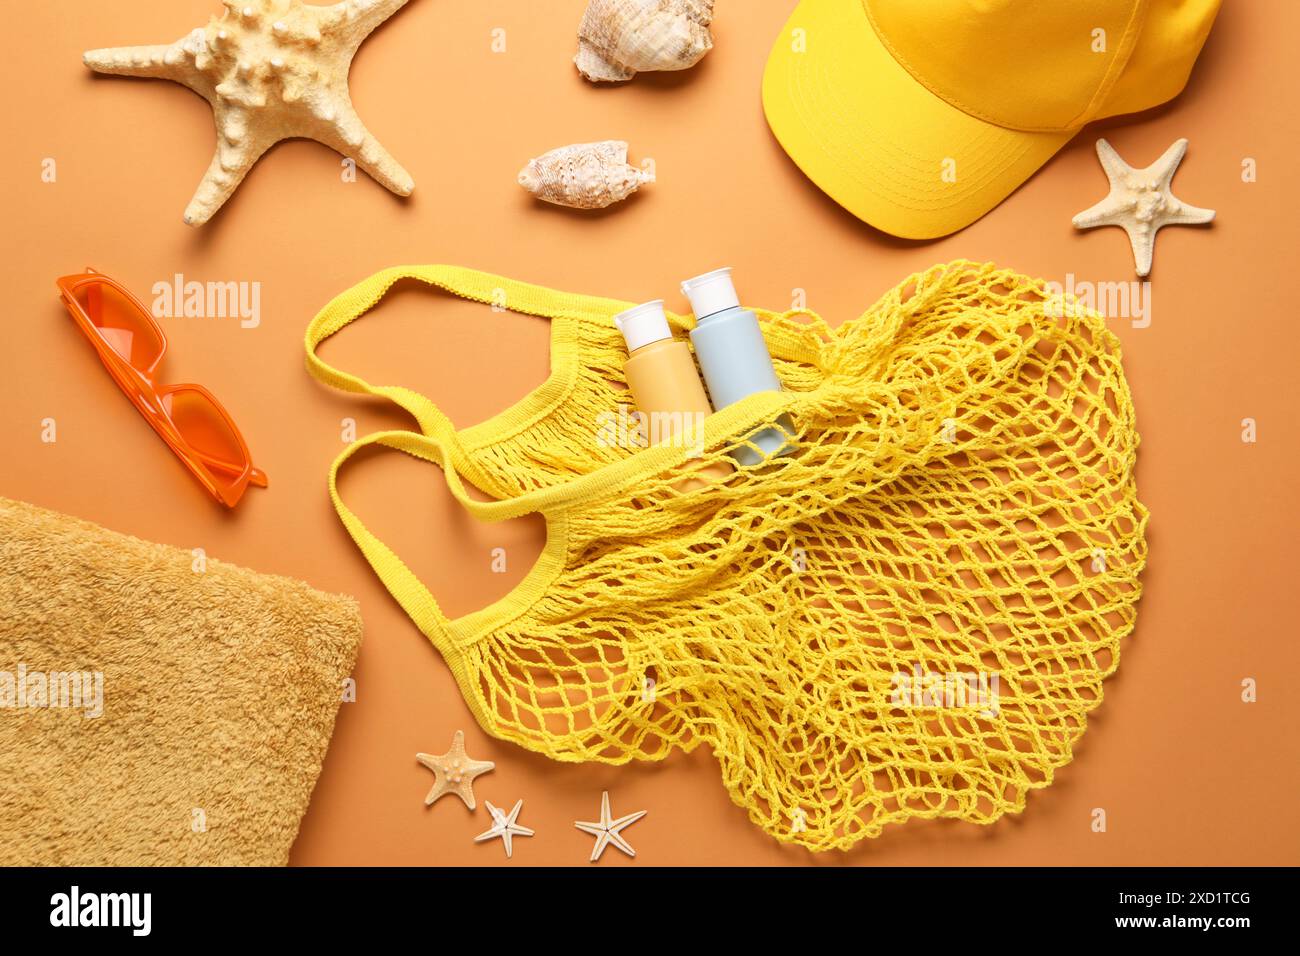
(120, 323)
(209, 435)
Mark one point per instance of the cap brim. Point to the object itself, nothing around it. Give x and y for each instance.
(876, 140)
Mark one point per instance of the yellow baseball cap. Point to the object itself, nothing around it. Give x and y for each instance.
(919, 116)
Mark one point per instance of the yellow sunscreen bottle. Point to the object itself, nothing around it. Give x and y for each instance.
(665, 384)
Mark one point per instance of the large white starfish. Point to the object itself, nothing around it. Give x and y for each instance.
(503, 826)
(272, 70)
(606, 831)
(1140, 201)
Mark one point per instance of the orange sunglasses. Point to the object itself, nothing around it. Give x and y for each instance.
(131, 344)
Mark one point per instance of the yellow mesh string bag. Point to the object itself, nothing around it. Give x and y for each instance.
(912, 615)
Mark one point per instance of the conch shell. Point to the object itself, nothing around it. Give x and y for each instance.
(584, 175)
(621, 38)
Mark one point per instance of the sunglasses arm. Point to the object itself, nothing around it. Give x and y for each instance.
(256, 477)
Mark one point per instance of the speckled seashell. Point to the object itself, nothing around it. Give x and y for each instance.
(584, 175)
(621, 38)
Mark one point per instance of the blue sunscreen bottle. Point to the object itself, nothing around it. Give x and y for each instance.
(733, 358)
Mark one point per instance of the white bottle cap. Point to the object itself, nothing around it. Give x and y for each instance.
(643, 324)
(711, 293)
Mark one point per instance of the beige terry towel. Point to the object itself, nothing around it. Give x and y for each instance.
(153, 710)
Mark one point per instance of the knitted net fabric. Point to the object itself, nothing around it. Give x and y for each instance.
(911, 616)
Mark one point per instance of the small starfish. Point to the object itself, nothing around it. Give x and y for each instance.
(503, 825)
(272, 70)
(454, 772)
(607, 830)
(1141, 202)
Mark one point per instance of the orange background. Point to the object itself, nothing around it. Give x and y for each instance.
(1187, 773)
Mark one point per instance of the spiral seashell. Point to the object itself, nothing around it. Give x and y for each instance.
(621, 38)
